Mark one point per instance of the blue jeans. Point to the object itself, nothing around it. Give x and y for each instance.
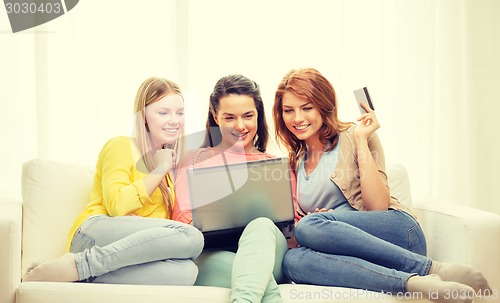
(373, 250)
(136, 250)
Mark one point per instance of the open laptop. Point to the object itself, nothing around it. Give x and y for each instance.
(225, 198)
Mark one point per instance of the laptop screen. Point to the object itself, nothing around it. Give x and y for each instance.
(229, 196)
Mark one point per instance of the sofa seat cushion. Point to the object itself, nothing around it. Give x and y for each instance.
(51, 292)
(56, 292)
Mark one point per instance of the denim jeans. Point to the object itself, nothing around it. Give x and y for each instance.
(136, 250)
(254, 270)
(372, 250)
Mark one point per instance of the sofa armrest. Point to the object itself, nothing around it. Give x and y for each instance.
(462, 234)
(10, 248)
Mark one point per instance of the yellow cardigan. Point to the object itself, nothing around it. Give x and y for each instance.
(119, 189)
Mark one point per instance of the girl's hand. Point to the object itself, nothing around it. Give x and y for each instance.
(368, 124)
(164, 159)
(292, 243)
(317, 210)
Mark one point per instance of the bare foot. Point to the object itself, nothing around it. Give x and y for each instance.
(62, 269)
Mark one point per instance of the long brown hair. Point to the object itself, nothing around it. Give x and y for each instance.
(150, 91)
(308, 84)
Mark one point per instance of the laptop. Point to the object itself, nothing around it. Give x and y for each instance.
(225, 198)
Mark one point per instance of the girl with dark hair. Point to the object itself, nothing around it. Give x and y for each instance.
(357, 235)
(236, 131)
(236, 85)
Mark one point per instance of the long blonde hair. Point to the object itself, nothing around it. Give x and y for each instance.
(150, 91)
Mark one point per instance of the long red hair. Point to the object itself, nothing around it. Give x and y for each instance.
(308, 84)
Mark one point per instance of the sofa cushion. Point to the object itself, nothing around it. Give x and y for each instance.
(399, 183)
(53, 194)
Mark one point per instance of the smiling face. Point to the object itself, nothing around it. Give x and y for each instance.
(301, 118)
(237, 119)
(165, 119)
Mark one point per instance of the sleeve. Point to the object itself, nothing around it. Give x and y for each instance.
(182, 207)
(377, 151)
(121, 194)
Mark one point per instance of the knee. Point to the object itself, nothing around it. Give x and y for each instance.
(258, 230)
(307, 225)
(261, 223)
(193, 240)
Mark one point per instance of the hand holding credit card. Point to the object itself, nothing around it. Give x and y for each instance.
(362, 95)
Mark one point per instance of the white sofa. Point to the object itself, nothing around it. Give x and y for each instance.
(53, 193)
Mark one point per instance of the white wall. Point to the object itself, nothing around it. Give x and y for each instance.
(431, 67)
(69, 85)
(387, 47)
(483, 102)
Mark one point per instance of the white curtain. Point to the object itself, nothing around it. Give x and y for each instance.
(431, 67)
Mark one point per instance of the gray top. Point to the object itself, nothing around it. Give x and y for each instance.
(317, 190)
